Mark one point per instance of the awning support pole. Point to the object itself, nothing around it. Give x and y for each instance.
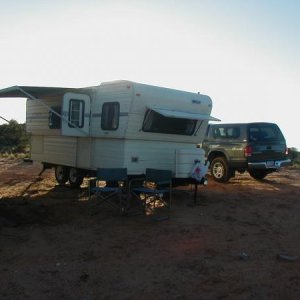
(4, 119)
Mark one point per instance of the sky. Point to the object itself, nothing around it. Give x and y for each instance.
(244, 54)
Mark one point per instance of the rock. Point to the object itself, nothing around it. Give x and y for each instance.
(244, 256)
(287, 257)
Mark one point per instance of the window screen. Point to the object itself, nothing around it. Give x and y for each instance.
(155, 122)
(110, 116)
(76, 113)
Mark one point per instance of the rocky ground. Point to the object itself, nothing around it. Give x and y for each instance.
(241, 241)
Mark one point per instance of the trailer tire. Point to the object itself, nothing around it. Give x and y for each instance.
(61, 174)
(75, 178)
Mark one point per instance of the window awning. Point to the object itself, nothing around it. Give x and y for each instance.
(35, 91)
(183, 115)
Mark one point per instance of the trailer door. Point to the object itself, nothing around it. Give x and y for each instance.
(76, 114)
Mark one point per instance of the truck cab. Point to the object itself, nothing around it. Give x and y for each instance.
(259, 148)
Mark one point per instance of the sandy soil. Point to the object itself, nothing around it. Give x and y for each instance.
(241, 241)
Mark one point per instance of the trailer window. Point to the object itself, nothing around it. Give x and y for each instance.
(155, 122)
(110, 116)
(76, 113)
(54, 121)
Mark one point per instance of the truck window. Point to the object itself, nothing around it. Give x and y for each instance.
(226, 132)
(268, 132)
(233, 132)
(54, 121)
(110, 116)
(76, 113)
(155, 122)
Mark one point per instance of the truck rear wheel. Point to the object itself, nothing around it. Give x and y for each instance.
(75, 178)
(258, 174)
(219, 170)
(61, 174)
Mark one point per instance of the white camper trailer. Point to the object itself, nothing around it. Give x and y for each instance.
(115, 124)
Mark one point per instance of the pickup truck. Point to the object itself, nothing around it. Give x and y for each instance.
(259, 148)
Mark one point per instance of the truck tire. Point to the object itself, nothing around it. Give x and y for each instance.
(220, 170)
(258, 174)
(61, 174)
(75, 178)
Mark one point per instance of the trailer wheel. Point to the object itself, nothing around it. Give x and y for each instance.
(61, 174)
(75, 178)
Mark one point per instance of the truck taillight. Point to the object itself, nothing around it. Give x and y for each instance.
(248, 151)
(286, 150)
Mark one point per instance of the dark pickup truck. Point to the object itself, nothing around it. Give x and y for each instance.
(258, 148)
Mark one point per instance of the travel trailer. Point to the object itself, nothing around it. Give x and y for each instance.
(115, 124)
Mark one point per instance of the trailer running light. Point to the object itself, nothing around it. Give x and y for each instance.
(248, 151)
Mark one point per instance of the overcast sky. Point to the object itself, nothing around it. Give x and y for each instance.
(244, 54)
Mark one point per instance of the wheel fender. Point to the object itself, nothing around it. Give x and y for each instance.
(217, 153)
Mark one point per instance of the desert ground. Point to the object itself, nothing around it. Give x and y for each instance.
(240, 241)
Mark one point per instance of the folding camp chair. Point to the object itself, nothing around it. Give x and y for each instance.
(155, 192)
(110, 187)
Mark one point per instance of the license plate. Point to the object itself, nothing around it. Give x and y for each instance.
(270, 164)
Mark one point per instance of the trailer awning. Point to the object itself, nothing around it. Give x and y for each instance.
(35, 91)
(182, 114)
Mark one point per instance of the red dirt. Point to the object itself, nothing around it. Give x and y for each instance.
(55, 244)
